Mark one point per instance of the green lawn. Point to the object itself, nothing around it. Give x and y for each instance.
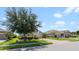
(9, 42)
(34, 42)
(76, 39)
(14, 44)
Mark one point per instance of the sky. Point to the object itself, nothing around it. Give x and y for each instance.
(53, 18)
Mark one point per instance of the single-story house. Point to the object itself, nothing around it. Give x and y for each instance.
(3, 35)
(37, 34)
(59, 34)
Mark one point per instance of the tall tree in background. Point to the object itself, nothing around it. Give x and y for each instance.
(21, 20)
(77, 32)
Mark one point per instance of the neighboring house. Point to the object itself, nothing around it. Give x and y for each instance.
(2, 34)
(59, 34)
(37, 34)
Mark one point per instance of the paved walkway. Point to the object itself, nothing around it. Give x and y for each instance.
(2, 40)
(57, 46)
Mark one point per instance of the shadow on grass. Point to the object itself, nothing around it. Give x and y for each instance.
(29, 45)
(24, 47)
(28, 48)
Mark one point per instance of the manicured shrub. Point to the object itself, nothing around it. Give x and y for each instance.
(74, 36)
(10, 35)
(35, 37)
(44, 35)
(29, 37)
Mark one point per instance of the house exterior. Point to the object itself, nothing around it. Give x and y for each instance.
(3, 35)
(59, 34)
(37, 34)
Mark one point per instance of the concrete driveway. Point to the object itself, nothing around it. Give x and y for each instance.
(2, 40)
(61, 46)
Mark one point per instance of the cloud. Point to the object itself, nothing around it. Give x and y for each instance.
(77, 28)
(76, 23)
(72, 22)
(65, 29)
(2, 19)
(61, 29)
(69, 10)
(59, 23)
(44, 24)
(57, 15)
(77, 10)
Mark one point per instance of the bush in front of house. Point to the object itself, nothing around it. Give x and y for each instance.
(29, 37)
(44, 35)
(32, 37)
(74, 36)
(35, 37)
(10, 35)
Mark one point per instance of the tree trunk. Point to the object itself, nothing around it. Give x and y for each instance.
(24, 37)
(32, 35)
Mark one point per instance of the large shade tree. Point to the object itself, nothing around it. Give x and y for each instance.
(21, 20)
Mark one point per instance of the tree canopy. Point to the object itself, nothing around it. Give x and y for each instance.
(22, 20)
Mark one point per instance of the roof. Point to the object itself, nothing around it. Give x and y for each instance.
(2, 30)
(2, 37)
(57, 32)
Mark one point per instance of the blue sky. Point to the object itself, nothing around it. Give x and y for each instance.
(53, 18)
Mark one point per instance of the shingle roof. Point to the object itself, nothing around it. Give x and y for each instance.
(56, 32)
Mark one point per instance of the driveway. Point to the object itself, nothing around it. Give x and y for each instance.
(61, 46)
(2, 40)
(56, 46)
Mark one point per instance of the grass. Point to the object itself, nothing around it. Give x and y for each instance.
(9, 42)
(76, 39)
(36, 42)
(14, 44)
(22, 46)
